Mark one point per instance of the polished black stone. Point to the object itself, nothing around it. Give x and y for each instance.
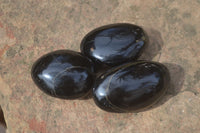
(64, 74)
(114, 44)
(131, 87)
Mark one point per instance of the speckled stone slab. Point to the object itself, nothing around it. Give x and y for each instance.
(31, 28)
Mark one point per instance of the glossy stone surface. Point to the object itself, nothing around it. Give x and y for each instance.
(131, 87)
(64, 74)
(114, 44)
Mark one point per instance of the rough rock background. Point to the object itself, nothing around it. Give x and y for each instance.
(31, 28)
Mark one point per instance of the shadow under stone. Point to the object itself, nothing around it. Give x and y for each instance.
(154, 46)
(2, 122)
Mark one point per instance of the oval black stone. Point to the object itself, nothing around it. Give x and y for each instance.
(114, 44)
(131, 87)
(64, 74)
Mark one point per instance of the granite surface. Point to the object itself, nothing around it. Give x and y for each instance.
(31, 28)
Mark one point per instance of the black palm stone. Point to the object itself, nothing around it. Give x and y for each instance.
(114, 44)
(131, 87)
(64, 74)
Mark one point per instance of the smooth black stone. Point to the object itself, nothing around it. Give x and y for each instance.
(64, 74)
(131, 87)
(114, 44)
